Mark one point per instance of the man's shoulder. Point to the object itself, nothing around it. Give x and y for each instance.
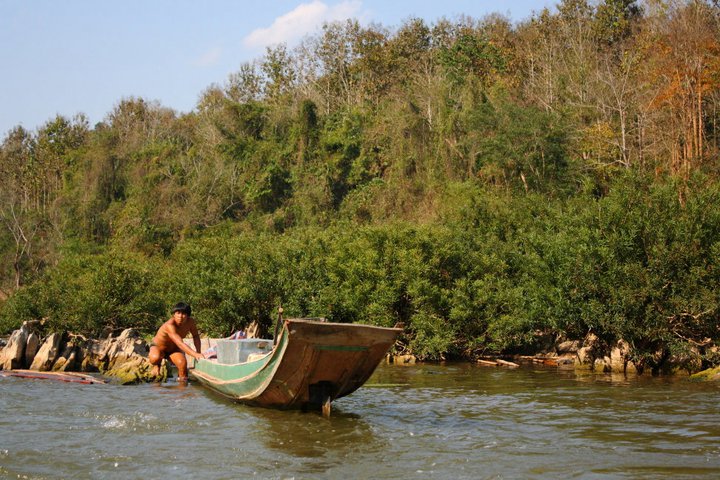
(168, 324)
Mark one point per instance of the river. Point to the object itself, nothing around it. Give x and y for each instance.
(427, 421)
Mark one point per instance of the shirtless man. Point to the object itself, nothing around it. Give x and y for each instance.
(168, 341)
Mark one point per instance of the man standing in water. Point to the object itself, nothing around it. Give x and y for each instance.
(168, 341)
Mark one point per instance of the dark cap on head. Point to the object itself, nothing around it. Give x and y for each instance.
(181, 307)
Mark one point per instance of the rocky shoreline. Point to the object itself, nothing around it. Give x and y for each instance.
(123, 358)
(594, 355)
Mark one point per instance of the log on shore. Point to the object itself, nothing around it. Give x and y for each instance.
(63, 377)
(487, 363)
(496, 362)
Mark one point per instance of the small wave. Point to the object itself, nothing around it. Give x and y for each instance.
(114, 423)
(135, 421)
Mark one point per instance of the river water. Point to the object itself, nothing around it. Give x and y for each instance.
(428, 421)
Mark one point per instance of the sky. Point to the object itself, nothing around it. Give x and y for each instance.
(84, 56)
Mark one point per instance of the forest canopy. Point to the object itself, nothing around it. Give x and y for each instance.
(488, 184)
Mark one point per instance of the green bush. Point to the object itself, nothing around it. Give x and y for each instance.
(497, 273)
(90, 293)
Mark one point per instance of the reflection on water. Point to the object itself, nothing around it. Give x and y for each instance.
(307, 435)
(430, 421)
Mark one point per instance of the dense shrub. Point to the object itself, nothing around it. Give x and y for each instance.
(501, 272)
(91, 293)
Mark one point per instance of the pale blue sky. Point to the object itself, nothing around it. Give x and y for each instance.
(71, 56)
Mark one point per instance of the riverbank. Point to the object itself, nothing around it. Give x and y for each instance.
(123, 358)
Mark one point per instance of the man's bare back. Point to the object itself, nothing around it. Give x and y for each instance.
(168, 341)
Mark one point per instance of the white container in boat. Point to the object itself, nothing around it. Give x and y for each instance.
(231, 352)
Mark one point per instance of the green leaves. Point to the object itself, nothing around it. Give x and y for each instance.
(504, 273)
(88, 293)
(471, 54)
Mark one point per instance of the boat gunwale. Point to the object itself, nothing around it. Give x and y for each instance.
(276, 353)
(344, 325)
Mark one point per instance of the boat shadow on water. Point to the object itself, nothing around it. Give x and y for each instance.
(306, 434)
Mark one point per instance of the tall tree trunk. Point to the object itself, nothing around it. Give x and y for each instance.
(16, 268)
(700, 121)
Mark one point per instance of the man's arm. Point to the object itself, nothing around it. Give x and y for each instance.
(196, 337)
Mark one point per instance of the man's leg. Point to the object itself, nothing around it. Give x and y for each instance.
(155, 358)
(178, 358)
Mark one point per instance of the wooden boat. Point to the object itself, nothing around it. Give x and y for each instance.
(311, 364)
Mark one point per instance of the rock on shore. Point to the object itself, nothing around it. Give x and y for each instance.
(619, 357)
(123, 358)
(711, 374)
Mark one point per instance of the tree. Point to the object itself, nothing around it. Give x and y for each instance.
(539, 50)
(55, 140)
(19, 199)
(614, 20)
(684, 68)
(278, 71)
(247, 84)
(335, 55)
(472, 54)
(618, 98)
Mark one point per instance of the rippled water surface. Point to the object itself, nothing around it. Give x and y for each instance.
(444, 422)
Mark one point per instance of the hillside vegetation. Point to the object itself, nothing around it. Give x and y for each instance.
(487, 184)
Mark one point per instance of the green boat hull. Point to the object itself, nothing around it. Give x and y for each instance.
(312, 364)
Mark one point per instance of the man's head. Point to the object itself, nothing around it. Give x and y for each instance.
(182, 307)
